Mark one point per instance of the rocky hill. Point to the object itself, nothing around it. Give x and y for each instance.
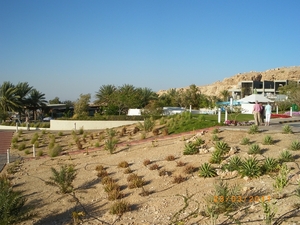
(284, 73)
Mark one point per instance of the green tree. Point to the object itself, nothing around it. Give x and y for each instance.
(23, 91)
(104, 94)
(9, 98)
(145, 95)
(81, 106)
(126, 97)
(55, 101)
(225, 95)
(36, 101)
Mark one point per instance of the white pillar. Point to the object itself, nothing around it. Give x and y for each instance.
(8, 155)
(190, 108)
(219, 115)
(33, 150)
(17, 127)
(75, 126)
(226, 114)
(276, 109)
(291, 112)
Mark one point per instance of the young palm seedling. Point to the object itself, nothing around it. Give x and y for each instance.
(254, 149)
(281, 181)
(253, 129)
(190, 149)
(234, 164)
(206, 170)
(270, 165)
(286, 156)
(286, 129)
(250, 167)
(245, 141)
(295, 145)
(268, 140)
(216, 157)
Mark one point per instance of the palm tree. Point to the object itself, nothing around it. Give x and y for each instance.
(36, 101)
(23, 91)
(225, 95)
(9, 98)
(103, 96)
(146, 95)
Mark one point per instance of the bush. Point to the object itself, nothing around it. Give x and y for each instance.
(190, 149)
(253, 129)
(254, 149)
(63, 178)
(268, 140)
(286, 129)
(55, 151)
(123, 164)
(119, 207)
(234, 164)
(22, 146)
(11, 204)
(295, 145)
(206, 170)
(250, 168)
(245, 141)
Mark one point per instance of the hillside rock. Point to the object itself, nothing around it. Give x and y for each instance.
(284, 73)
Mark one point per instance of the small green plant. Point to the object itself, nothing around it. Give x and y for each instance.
(21, 146)
(114, 195)
(147, 125)
(254, 149)
(123, 164)
(222, 146)
(245, 141)
(63, 178)
(286, 129)
(250, 167)
(111, 145)
(269, 212)
(12, 203)
(286, 156)
(27, 152)
(40, 152)
(81, 130)
(206, 170)
(119, 208)
(199, 141)
(295, 145)
(136, 182)
(234, 164)
(253, 129)
(55, 151)
(268, 140)
(110, 186)
(216, 157)
(97, 144)
(282, 179)
(215, 137)
(14, 140)
(190, 149)
(216, 131)
(270, 165)
(60, 133)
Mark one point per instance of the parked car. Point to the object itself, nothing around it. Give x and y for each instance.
(47, 119)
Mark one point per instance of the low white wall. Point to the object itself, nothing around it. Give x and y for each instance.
(86, 125)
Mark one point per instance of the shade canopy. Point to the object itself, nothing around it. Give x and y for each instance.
(255, 97)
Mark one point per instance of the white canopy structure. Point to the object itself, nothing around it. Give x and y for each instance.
(253, 98)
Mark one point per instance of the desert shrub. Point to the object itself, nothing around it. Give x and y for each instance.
(253, 129)
(155, 132)
(21, 146)
(178, 179)
(245, 141)
(14, 167)
(199, 141)
(254, 149)
(286, 156)
(111, 145)
(123, 164)
(146, 162)
(164, 172)
(55, 151)
(295, 145)
(105, 180)
(132, 176)
(111, 133)
(250, 167)
(36, 144)
(109, 186)
(114, 195)
(27, 151)
(136, 182)
(234, 164)
(188, 169)
(170, 158)
(99, 167)
(268, 140)
(34, 138)
(180, 163)
(102, 173)
(79, 145)
(270, 165)
(51, 145)
(97, 144)
(147, 125)
(63, 179)
(190, 149)
(165, 132)
(81, 130)
(60, 133)
(286, 129)
(128, 170)
(12, 204)
(135, 130)
(14, 140)
(119, 207)
(40, 152)
(206, 170)
(154, 167)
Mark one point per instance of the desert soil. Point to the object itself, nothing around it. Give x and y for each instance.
(166, 198)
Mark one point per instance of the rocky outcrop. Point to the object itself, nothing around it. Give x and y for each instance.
(284, 73)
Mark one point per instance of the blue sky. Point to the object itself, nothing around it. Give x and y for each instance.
(65, 48)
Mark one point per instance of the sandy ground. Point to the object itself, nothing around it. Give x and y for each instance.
(166, 198)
